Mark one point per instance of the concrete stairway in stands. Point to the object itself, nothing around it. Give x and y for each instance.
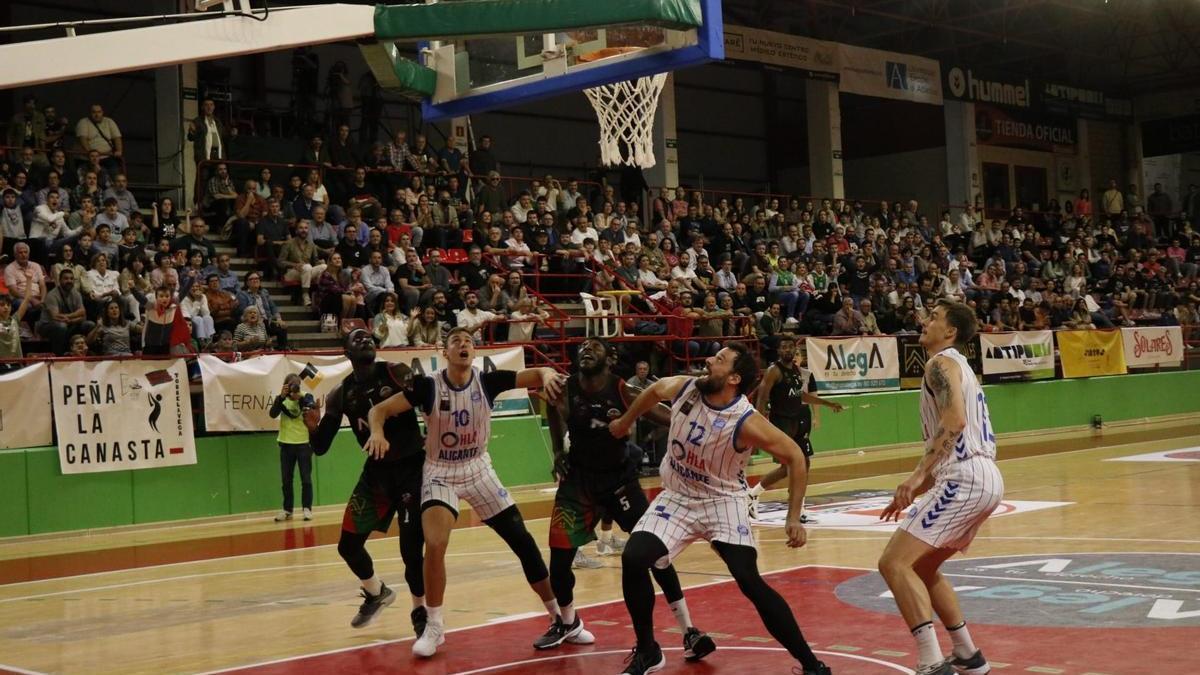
(304, 328)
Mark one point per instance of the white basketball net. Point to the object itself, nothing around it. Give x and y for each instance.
(626, 114)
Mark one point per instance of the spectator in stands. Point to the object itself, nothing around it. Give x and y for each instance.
(254, 295)
(111, 335)
(49, 222)
(490, 197)
(248, 210)
(870, 323)
(102, 135)
(78, 346)
(493, 298)
(226, 278)
(63, 313)
(54, 184)
(195, 308)
(440, 277)
(525, 319)
(207, 133)
(315, 152)
(195, 240)
(220, 195)
(353, 254)
(270, 236)
(99, 285)
(391, 324)
(22, 272)
(785, 286)
(377, 280)
(10, 325)
(425, 330)
(334, 294)
(848, 321)
(473, 318)
(119, 190)
(27, 128)
(251, 333)
(298, 259)
(222, 304)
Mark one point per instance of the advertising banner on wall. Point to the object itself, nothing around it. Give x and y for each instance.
(913, 357)
(1087, 353)
(238, 396)
(1022, 355)
(1019, 129)
(872, 72)
(854, 364)
(25, 408)
(119, 415)
(780, 49)
(968, 84)
(1152, 346)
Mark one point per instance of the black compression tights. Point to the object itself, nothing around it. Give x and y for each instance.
(352, 548)
(643, 549)
(511, 528)
(562, 578)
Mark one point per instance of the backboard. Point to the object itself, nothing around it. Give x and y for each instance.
(484, 72)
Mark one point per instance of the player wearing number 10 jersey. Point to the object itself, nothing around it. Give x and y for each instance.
(962, 486)
(457, 406)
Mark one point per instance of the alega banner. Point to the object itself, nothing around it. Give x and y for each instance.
(119, 415)
(854, 364)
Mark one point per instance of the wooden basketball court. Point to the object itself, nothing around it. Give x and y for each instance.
(1091, 566)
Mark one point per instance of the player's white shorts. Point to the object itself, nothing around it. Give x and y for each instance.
(951, 513)
(678, 521)
(474, 482)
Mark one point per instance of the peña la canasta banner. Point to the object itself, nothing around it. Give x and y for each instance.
(1146, 347)
(25, 407)
(238, 396)
(1087, 353)
(853, 364)
(1020, 355)
(119, 415)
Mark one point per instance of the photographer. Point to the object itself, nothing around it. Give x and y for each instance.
(300, 415)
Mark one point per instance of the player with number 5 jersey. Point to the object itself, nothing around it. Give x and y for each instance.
(962, 486)
(457, 406)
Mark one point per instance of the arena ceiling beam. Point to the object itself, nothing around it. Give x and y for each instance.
(165, 44)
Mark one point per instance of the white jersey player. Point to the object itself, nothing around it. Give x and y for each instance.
(704, 497)
(962, 486)
(457, 406)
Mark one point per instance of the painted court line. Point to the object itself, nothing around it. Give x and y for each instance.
(1073, 583)
(510, 619)
(19, 671)
(561, 657)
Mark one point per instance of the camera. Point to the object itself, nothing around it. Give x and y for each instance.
(293, 389)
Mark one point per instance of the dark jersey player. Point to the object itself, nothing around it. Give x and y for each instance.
(598, 479)
(786, 397)
(390, 482)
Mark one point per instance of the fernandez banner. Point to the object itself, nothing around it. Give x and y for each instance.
(1022, 355)
(854, 364)
(238, 396)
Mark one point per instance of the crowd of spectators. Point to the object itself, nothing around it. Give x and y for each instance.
(412, 241)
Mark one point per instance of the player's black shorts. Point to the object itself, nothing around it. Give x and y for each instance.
(383, 489)
(586, 497)
(799, 429)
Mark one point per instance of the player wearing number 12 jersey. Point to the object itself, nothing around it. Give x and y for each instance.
(704, 496)
(457, 406)
(598, 479)
(962, 486)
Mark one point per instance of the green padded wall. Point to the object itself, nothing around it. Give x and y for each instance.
(14, 516)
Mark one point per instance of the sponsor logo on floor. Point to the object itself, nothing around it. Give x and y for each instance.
(860, 510)
(1180, 455)
(1108, 590)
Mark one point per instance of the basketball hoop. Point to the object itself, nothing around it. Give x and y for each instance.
(625, 111)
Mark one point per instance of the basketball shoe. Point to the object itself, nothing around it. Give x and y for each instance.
(642, 661)
(943, 668)
(282, 516)
(697, 645)
(583, 562)
(431, 638)
(419, 617)
(822, 669)
(560, 632)
(975, 665)
(372, 605)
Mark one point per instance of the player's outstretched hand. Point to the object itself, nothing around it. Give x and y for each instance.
(619, 427)
(838, 407)
(376, 447)
(796, 534)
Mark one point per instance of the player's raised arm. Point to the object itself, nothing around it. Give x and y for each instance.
(757, 432)
(659, 414)
(397, 404)
(763, 400)
(547, 378)
(556, 416)
(662, 390)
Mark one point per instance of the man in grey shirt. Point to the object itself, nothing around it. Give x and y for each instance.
(119, 190)
(376, 279)
(63, 314)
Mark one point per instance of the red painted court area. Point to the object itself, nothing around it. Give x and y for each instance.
(849, 639)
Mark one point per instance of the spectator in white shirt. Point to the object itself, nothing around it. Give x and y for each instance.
(583, 230)
(49, 221)
(376, 279)
(100, 284)
(112, 216)
(649, 280)
(472, 318)
(516, 244)
(524, 319)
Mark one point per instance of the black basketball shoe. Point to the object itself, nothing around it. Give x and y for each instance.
(372, 605)
(641, 661)
(697, 645)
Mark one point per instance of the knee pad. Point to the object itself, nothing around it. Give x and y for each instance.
(509, 525)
